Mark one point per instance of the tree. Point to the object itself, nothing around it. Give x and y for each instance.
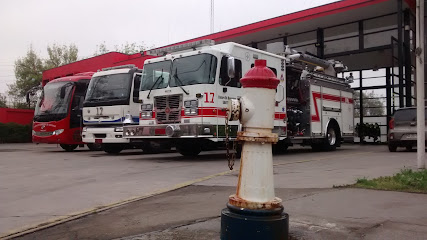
(372, 105)
(130, 48)
(28, 73)
(101, 49)
(29, 69)
(3, 102)
(61, 55)
(127, 48)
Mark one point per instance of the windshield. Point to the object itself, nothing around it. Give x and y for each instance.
(192, 70)
(407, 115)
(109, 87)
(155, 75)
(197, 69)
(52, 103)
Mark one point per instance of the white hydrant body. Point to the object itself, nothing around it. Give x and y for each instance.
(255, 188)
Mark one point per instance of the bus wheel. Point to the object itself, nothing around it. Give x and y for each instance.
(68, 147)
(112, 148)
(94, 146)
(189, 150)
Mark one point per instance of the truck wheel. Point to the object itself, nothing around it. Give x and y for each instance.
(331, 139)
(94, 146)
(189, 150)
(280, 147)
(68, 147)
(392, 147)
(112, 148)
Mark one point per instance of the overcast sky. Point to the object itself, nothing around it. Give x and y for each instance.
(87, 23)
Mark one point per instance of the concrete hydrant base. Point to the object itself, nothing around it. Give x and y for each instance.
(253, 224)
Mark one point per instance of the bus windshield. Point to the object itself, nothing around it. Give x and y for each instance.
(51, 102)
(109, 87)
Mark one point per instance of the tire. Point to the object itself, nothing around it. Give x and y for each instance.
(317, 147)
(280, 147)
(392, 147)
(112, 148)
(68, 147)
(94, 146)
(189, 150)
(332, 138)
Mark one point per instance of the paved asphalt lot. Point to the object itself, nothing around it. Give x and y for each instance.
(39, 183)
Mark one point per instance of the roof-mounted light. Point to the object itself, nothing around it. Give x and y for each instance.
(180, 47)
(119, 67)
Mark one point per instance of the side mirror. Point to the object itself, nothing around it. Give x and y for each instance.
(62, 94)
(231, 67)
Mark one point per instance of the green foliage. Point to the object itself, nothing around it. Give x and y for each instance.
(127, 48)
(407, 180)
(368, 130)
(15, 133)
(61, 55)
(28, 73)
(29, 69)
(3, 101)
(372, 106)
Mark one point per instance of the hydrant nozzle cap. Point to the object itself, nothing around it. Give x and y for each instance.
(260, 76)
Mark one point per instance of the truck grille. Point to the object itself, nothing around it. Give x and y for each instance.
(43, 134)
(168, 108)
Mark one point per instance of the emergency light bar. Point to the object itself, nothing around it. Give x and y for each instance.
(119, 67)
(181, 47)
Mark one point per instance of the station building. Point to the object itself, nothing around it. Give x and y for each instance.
(374, 38)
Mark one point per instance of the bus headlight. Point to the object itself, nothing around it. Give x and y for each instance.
(118, 129)
(84, 129)
(128, 119)
(57, 132)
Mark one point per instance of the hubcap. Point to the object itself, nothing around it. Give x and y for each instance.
(332, 138)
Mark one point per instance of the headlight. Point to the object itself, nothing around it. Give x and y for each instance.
(84, 129)
(57, 132)
(191, 103)
(146, 115)
(34, 132)
(191, 111)
(146, 106)
(118, 129)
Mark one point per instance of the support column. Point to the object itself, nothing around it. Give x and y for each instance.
(400, 52)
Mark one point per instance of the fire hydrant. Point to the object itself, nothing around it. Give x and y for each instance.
(254, 212)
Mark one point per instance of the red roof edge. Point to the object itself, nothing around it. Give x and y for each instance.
(311, 13)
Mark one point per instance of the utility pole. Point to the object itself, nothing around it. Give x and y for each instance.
(212, 16)
(419, 53)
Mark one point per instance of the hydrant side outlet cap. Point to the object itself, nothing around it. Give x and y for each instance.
(260, 76)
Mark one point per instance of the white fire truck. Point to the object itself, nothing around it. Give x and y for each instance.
(112, 101)
(185, 93)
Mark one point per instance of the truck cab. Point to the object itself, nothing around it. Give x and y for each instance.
(112, 101)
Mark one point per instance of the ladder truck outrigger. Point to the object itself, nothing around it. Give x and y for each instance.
(186, 91)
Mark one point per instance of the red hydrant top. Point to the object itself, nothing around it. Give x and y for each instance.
(260, 76)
